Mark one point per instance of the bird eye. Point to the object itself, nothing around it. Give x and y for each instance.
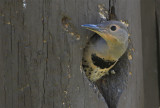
(113, 28)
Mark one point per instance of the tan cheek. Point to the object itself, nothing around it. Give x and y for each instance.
(108, 37)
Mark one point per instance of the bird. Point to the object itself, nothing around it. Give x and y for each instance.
(104, 49)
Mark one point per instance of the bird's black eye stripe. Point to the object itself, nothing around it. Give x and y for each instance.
(113, 28)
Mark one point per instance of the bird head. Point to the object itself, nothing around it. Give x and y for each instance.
(111, 31)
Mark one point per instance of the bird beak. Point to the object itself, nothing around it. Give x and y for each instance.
(91, 27)
(99, 30)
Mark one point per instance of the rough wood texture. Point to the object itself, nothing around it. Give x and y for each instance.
(41, 51)
(150, 58)
(39, 60)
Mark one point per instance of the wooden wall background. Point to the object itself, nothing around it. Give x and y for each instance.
(41, 46)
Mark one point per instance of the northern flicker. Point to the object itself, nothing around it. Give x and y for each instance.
(103, 51)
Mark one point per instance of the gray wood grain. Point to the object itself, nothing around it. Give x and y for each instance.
(40, 61)
(150, 57)
(41, 47)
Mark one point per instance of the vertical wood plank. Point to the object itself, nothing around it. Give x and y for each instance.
(40, 60)
(150, 57)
